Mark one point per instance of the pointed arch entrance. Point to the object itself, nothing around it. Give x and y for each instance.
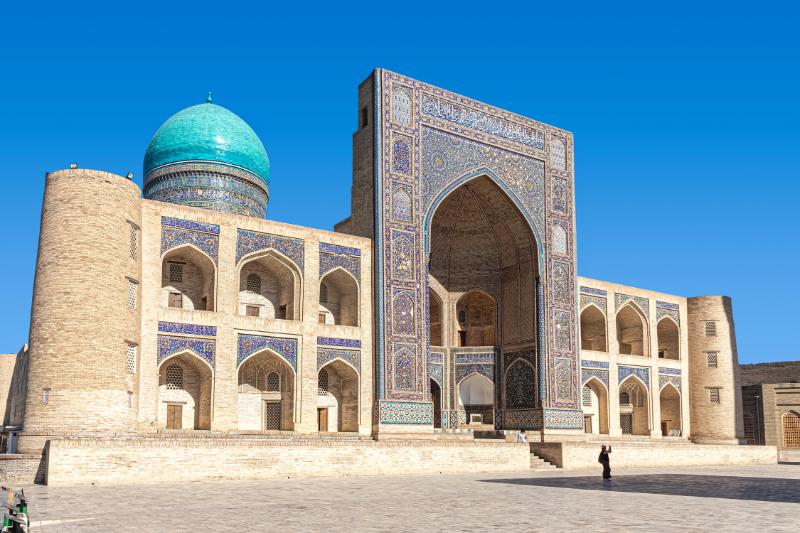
(184, 392)
(483, 261)
(266, 393)
(670, 409)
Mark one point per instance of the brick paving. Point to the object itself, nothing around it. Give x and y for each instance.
(757, 498)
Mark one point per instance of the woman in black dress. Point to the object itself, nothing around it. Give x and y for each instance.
(604, 460)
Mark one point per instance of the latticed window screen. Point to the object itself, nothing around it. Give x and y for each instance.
(626, 422)
(272, 415)
(624, 398)
(587, 396)
(175, 273)
(791, 429)
(132, 286)
(323, 293)
(273, 382)
(749, 429)
(322, 383)
(134, 241)
(254, 283)
(711, 328)
(713, 395)
(174, 377)
(712, 359)
(131, 353)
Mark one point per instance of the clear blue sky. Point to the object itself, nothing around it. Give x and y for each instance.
(685, 121)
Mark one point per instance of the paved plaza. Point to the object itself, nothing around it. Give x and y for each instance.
(757, 498)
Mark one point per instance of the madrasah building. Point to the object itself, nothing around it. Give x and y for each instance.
(447, 306)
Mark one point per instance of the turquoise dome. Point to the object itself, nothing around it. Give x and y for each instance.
(207, 132)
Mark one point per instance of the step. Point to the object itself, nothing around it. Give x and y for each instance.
(537, 463)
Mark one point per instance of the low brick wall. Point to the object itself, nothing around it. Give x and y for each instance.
(21, 469)
(577, 455)
(146, 460)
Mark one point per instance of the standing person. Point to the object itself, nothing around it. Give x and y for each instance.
(604, 460)
(521, 437)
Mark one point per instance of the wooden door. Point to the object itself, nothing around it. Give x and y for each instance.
(322, 419)
(174, 416)
(664, 429)
(587, 424)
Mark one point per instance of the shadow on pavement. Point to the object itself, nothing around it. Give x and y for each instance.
(728, 487)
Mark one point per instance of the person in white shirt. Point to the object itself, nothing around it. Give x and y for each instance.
(521, 437)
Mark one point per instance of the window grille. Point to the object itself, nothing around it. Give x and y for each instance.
(587, 396)
(749, 429)
(175, 273)
(624, 398)
(273, 382)
(322, 384)
(272, 415)
(711, 357)
(323, 293)
(132, 294)
(713, 395)
(134, 241)
(791, 429)
(711, 328)
(174, 377)
(626, 423)
(131, 352)
(46, 398)
(254, 283)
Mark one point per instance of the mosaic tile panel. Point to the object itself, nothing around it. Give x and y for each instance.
(643, 303)
(672, 313)
(170, 345)
(522, 418)
(560, 243)
(252, 241)
(436, 372)
(403, 306)
(563, 419)
(402, 205)
(474, 358)
(663, 380)
(401, 154)
(520, 383)
(596, 292)
(558, 152)
(436, 357)
(172, 237)
(340, 343)
(588, 363)
(250, 344)
(484, 369)
(187, 329)
(599, 301)
(405, 413)
(640, 372)
(329, 262)
(339, 249)
(589, 373)
(190, 225)
(670, 371)
(326, 355)
(452, 418)
(667, 305)
(564, 379)
(404, 366)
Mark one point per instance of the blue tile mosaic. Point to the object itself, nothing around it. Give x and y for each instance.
(341, 343)
(436, 357)
(674, 380)
(588, 373)
(190, 225)
(187, 329)
(169, 345)
(563, 419)
(252, 241)
(339, 249)
(670, 371)
(643, 303)
(405, 413)
(173, 237)
(484, 369)
(667, 305)
(326, 355)
(596, 292)
(250, 344)
(436, 372)
(520, 384)
(474, 358)
(328, 262)
(588, 363)
(638, 371)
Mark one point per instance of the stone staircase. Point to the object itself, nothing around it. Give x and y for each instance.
(537, 463)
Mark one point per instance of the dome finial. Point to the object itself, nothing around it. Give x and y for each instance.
(208, 98)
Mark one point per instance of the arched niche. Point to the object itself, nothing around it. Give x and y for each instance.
(261, 405)
(593, 329)
(594, 400)
(631, 331)
(670, 409)
(339, 299)
(668, 337)
(187, 279)
(476, 396)
(184, 392)
(270, 287)
(476, 313)
(436, 319)
(337, 397)
(634, 407)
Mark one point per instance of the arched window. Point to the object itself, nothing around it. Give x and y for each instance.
(254, 283)
(323, 293)
(174, 377)
(273, 382)
(587, 396)
(322, 384)
(624, 398)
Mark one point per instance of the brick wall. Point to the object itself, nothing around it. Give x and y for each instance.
(779, 372)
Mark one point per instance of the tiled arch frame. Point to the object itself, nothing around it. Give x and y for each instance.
(290, 263)
(537, 167)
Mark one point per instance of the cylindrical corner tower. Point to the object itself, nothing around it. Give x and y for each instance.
(206, 156)
(85, 318)
(714, 388)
